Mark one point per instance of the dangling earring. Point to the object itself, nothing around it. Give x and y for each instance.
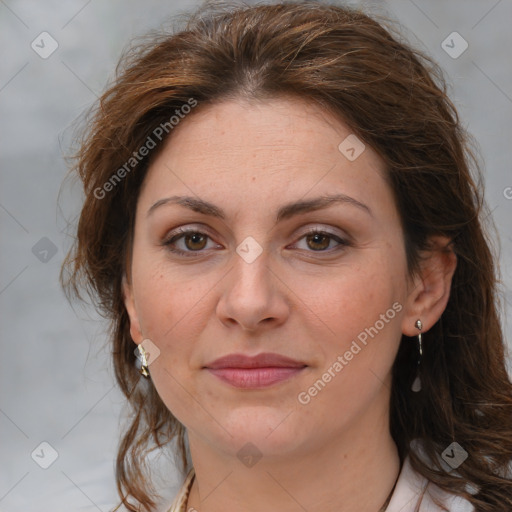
(416, 385)
(144, 361)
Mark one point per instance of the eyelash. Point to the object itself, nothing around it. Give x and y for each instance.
(190, 254)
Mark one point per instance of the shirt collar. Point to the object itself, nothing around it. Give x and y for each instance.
(413, 493)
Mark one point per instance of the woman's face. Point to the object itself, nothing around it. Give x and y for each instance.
(249, 279)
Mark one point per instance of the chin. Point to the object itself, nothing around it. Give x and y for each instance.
(271, 430)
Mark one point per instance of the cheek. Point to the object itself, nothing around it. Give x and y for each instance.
(168, 297)
(352, 299)
(357, 353)
(172, 315)
(163, 306)
(360, 312)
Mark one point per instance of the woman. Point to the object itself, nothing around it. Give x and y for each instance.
(281, 223)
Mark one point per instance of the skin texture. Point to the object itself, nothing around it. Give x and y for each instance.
(303, 299)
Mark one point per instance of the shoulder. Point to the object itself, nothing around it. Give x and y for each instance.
(414, 493)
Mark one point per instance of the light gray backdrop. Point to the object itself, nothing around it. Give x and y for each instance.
(56, 381)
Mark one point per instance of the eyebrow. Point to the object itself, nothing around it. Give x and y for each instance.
(285, 212)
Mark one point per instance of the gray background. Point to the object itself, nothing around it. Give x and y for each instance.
(56, 382)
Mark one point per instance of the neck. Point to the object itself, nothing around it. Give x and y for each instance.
(355, 472)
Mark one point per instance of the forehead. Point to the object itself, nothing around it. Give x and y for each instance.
(278, 127)
(262, 151)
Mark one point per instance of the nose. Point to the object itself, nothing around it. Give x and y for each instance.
(253, 296)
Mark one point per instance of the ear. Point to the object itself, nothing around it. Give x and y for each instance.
(429, 290)
(129, 302)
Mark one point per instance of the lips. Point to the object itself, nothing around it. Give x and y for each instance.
(265, 360)
(259, 371)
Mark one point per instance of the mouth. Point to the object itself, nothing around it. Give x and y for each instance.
(253, 378)
(255, 372)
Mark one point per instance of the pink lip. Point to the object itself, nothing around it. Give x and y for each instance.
(254, 372)
(254, 377)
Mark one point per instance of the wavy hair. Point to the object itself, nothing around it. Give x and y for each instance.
(394, 97)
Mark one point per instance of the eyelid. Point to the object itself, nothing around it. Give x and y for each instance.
(187, 228)
(327, 229)
(178, 232)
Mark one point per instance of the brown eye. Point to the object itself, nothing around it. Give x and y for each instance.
(319, 241)
(195, 241)
(192, 241)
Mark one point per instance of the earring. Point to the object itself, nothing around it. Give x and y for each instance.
(416, 385)
(144, 362)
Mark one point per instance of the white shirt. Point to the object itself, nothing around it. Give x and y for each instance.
(413, 493)
(413, 490)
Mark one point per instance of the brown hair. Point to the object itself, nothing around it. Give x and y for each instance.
(394, 98)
